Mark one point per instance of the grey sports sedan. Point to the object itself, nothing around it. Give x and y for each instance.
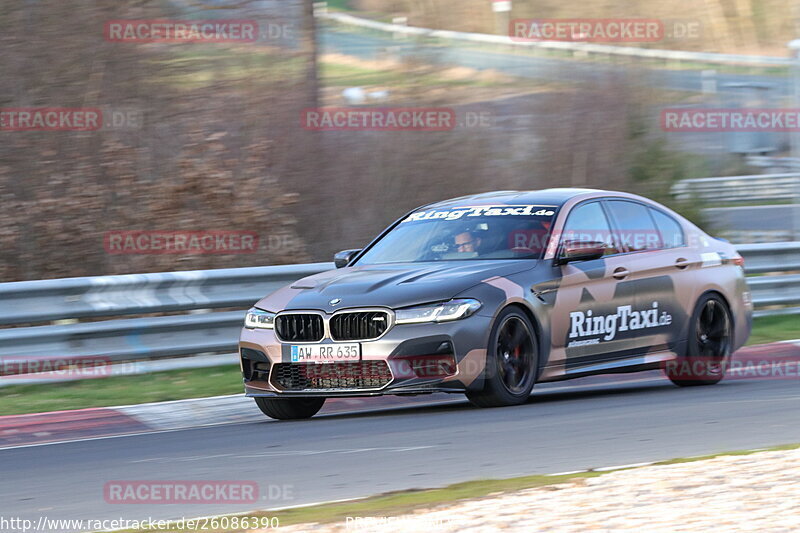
(487, 295)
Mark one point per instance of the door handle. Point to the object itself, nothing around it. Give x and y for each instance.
(620, 273)
(682, 263)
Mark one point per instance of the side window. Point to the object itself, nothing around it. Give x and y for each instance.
(637, 231)
(671, 231)
(588, 222)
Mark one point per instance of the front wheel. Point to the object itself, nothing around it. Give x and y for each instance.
(512, 361)
(709, 345)
(290, 408)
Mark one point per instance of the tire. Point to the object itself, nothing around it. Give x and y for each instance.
(290, 408)
(512, 362)
(708, 348)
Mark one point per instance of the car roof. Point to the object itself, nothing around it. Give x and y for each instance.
(554, 197)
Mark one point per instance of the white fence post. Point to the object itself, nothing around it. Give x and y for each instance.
(399, 21)
(320, 9)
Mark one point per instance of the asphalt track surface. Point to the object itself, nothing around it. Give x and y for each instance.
(594, 422)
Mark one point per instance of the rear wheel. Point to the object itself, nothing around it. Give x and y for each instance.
(512, 360)
(709, 345)
(290, 408)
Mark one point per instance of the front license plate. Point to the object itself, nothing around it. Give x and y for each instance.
(325, 353)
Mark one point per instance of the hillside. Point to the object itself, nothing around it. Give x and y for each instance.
(760, 27)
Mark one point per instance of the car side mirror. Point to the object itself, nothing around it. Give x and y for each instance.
(343, 258)
(581, 251)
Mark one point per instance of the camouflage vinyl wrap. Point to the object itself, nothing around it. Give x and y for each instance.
(587, 320)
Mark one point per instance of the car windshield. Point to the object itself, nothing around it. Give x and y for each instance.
(465, 233)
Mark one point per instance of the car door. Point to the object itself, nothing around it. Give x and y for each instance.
(657, 263)
(585, 328)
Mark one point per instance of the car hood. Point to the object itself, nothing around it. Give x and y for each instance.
(391, 285)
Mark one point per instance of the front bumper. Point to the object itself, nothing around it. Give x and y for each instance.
(408, 359)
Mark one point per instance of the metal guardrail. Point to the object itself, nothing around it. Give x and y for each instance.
(771, 257)
(124, 340)
(766, 161)
(199, 292)
(756, 188)
(776, 290)
(27, 302)
(776, 294)
(755, 236)
(586, 48)
(200, 331)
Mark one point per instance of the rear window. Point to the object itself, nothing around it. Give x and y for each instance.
(670, 230)
(588, 222)
(637, 231)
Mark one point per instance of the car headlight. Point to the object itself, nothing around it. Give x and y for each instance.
(258, 319)
(441, 312)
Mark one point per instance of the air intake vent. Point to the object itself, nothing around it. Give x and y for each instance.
(301, 327)
(251, 365)
(359, 325)
(346, 376)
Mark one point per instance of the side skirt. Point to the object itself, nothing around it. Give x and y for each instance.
(639, 363)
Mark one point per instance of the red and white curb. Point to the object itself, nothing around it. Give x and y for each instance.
(84, 424)
(20, 430)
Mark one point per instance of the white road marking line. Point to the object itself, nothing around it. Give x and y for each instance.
(301, 505)
(290, 453)
(286, 453)
(174, 402)
(181, 459)
(620, 467)
(789, 398)
(106, 437)
(567, 473)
